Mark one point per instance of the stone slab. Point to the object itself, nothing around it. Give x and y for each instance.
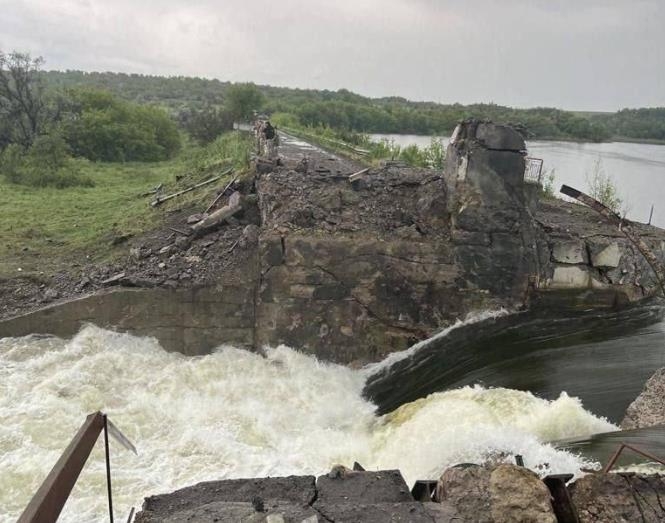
(384, 486)
(299, 490)
(413, 512)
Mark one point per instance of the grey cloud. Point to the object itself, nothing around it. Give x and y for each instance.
(591, 55)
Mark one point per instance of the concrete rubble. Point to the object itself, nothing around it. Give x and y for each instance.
(353, 270)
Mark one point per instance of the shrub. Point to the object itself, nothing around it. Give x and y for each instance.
(549, 179)
(435, 154)
(104, 128)
(231, 148)
(45, 164)
(205, 125)
(601, 187)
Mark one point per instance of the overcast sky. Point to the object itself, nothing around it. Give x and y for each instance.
(574, 54)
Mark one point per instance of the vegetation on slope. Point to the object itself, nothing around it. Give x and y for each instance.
(47, 228)
(344, 110)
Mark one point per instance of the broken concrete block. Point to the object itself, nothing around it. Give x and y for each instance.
(569, 252)
(499, 137)
(570, 278)
(350, 486)
(606, 258)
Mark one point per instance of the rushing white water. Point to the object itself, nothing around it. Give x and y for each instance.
(239, 414)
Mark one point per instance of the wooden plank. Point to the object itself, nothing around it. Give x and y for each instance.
(353, 177)
(216, 218)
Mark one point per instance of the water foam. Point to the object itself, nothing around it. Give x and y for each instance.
(239, 414)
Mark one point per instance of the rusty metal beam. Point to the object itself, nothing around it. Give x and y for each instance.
(624, 227)
(622, 446)
(48, 501)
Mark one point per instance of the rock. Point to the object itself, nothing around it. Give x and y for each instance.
(492, 494)
(166, 250)
(601, 498)
(302, 165)
(182, 242)
(51, 294)
(234, 199)
(517, 494)
(569, 252)
(139, 253)
(648, 409)
(468, 490)
(194, 218)
(162, 265)
(192, 259)
(250, 235)
(607, 257)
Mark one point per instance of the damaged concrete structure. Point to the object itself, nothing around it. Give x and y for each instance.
(351, 270)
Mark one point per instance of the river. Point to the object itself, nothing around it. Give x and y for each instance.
(237, 414)
(638, 170)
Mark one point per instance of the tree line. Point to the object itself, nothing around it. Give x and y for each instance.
(51, 119)
(345, 110)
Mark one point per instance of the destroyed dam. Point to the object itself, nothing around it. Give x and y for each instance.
(329, 313)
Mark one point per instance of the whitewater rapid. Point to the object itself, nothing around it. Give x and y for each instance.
(238, 414)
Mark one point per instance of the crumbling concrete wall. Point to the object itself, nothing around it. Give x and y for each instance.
(491, 211)
(352, 270)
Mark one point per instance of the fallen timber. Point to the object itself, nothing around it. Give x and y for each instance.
(159, 201)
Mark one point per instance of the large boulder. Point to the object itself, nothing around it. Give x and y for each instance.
(609, 498)
(648, 409)
(496, 494)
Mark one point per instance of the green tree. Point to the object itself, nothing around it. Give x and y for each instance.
(22, 108)
(206, 124)
(101, 127)
(243, 99)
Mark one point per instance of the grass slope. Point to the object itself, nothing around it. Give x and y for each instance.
(47, 229)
